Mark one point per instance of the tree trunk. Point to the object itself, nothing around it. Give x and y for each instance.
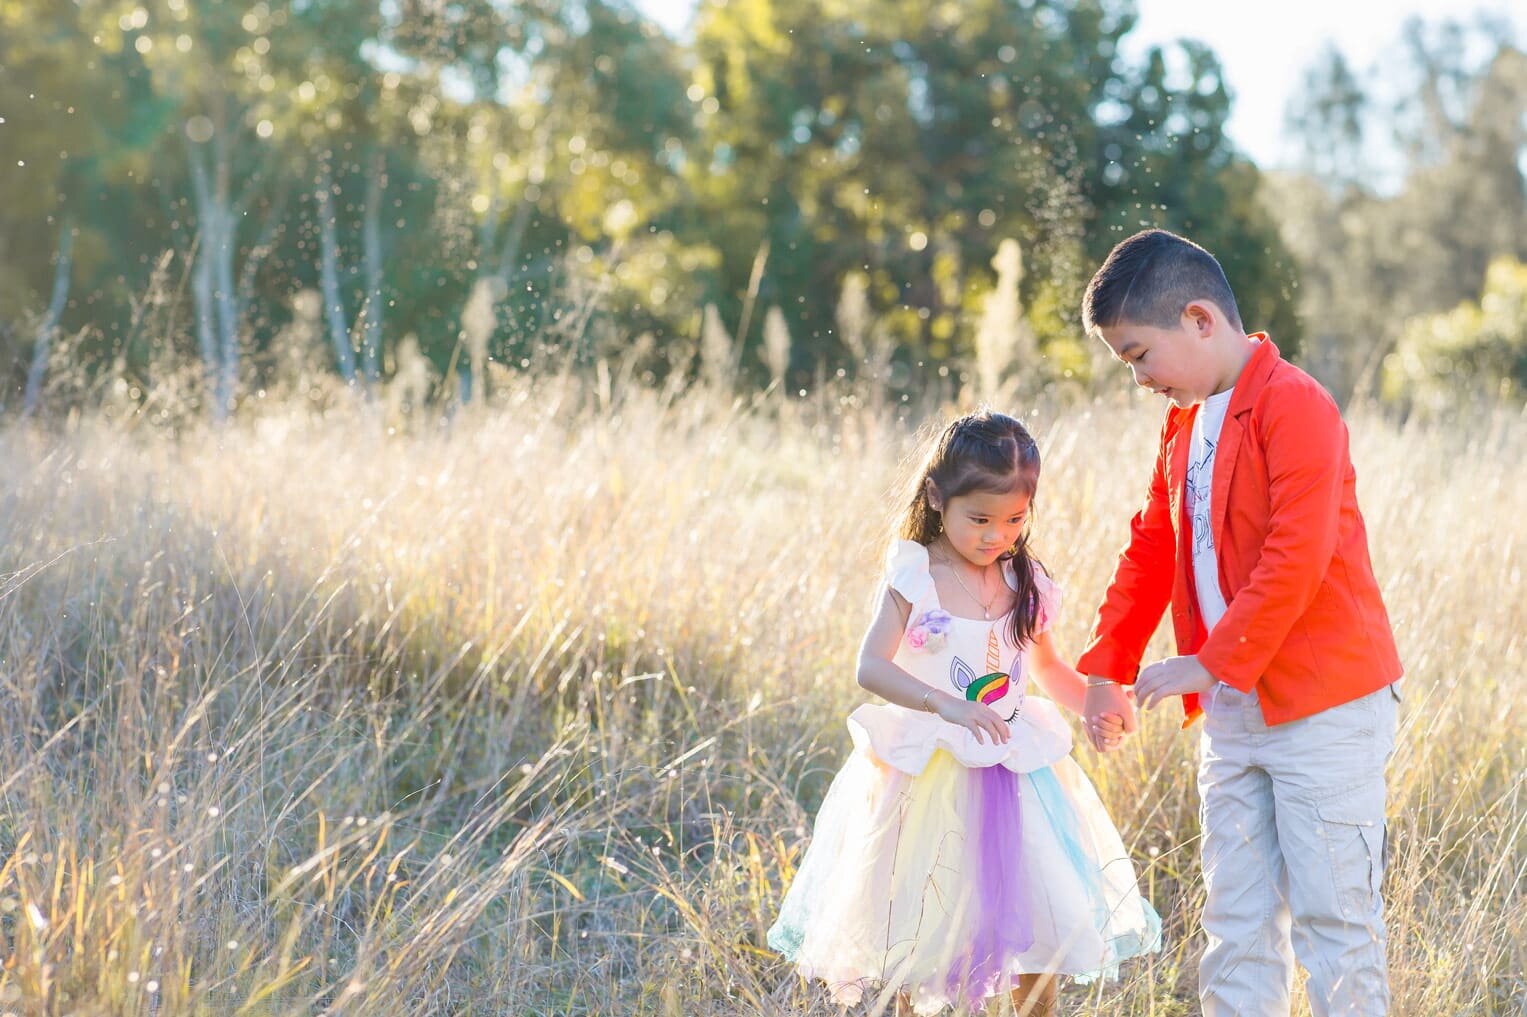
(371, 313)
(225, 291)
(212, 284)
(49, 323)
(225, 295)
(208, 343)
(258, 252)
(509, 255)
(328, 274)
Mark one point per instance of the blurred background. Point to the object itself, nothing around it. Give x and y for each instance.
(448, 449)
(207, 202)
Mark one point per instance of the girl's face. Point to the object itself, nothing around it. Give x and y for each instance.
(982, 526)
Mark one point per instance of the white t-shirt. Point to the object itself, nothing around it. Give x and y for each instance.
(1206, 428)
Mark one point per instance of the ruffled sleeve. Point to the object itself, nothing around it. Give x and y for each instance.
(1049, 598)
(1049, 593)
(906, 570)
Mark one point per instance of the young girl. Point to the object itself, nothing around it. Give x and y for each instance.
(960, 853)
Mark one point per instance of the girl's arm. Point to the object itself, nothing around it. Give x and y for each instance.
(1066, 686)
(879, 674)
(1059, 680)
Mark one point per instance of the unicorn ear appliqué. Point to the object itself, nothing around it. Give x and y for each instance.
(961, 674)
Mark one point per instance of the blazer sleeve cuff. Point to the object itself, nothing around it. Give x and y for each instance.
(1223, 668)
(1109, 662)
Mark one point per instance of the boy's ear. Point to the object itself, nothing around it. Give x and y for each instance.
(1201, 316)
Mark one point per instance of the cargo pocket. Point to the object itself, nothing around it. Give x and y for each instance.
(1352, 826)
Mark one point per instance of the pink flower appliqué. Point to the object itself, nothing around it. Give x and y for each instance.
(929, 633)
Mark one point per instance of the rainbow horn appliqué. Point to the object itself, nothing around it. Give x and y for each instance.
(988, 688)
(993, 686)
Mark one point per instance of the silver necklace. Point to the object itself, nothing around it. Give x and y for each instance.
(986, 607)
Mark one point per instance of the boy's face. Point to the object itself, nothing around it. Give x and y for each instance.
(1174, 362)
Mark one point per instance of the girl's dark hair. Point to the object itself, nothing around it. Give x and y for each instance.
(990, 452)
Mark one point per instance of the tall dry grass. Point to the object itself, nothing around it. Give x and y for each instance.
(528, 713)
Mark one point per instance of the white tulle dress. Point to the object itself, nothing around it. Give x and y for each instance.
(945, 867)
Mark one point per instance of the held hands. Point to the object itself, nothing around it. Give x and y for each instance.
(979, 718)
(1174, 676)
(1108, 713)
(1105, 729)
(1109, 708)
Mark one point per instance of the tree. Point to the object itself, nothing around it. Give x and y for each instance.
(1328, 116)
(601, 122)
(1477, 349)
(1371, 259)
(1167, 162)
(885, 139)
(903, 141)
(574, 177)
(67, 126)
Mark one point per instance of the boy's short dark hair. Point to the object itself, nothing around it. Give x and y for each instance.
(1148, 280)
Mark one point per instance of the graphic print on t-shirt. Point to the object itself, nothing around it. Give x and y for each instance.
(1200, 481)
(1199, 484)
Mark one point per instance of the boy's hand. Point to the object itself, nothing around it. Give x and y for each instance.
(1174, 676)
(1111, 700)
(978, 718)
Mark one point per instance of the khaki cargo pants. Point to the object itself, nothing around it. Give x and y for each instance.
(1293, 850)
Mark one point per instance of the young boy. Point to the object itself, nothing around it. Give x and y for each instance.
(1251, 532)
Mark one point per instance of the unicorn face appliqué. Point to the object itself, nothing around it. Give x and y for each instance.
(992, 688)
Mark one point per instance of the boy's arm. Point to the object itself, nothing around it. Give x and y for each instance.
(1305, 444)
(1141, 586)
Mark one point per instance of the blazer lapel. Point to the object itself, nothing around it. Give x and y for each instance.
(1225, 454)
(1264, 360)
(1177, 450)
(1178, 453)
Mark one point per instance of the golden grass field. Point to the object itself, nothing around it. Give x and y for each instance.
(529, 713)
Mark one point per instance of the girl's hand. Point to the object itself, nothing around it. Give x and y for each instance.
(979, 718)
(1105, 698)
(1106, 732)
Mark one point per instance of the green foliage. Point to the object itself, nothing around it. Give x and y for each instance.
(905, 141)
(75, 124)
(607, 181)
(1166, 162)
(1476, 349)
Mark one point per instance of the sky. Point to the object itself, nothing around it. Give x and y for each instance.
(1264, 48)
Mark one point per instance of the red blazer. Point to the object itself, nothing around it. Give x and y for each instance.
(1305, 625)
